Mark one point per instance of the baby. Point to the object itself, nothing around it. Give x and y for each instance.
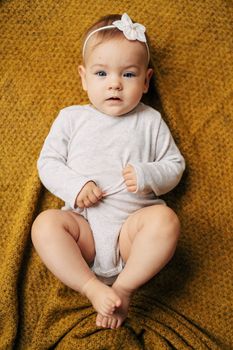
(109, 161)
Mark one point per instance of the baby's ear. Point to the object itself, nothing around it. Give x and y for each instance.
(82, 73)
(149, 74)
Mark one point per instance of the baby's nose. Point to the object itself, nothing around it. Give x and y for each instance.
(115, 84)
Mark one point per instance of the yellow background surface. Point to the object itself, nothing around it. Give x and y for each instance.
(189, 304)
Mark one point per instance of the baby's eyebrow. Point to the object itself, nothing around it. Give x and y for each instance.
(131, 66)
(99, 65)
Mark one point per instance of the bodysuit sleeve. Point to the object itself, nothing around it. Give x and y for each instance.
(53, 170)
(165, 172)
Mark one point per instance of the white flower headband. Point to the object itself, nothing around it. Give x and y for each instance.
(132, 31)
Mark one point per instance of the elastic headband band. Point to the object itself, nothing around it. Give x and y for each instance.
(132, 31)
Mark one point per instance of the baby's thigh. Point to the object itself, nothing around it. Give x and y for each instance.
(58, 224)
(151, 220)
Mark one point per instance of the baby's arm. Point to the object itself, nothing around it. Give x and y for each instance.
(54, 172)
(159, 176)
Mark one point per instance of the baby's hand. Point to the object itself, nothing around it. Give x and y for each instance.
(130, 178)
(89, 195)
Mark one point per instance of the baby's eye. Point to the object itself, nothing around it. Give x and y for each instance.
(101, 73)
(129, 74)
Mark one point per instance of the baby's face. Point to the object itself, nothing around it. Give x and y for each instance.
(115, 74)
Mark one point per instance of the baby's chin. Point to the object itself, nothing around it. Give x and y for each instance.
(115, 109)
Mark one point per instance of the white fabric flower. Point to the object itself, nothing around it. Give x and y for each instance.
(132, 31)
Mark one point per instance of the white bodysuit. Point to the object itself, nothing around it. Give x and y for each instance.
(86, 145)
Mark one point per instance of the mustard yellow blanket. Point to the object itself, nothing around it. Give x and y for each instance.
(189, 304)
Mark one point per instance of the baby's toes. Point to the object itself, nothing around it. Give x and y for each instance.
(105, 322)
(113, 323)
(99, 319)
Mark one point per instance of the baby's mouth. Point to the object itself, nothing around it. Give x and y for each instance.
(114, 98)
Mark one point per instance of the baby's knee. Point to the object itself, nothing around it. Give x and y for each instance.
(164, 221)
(42, 222)
(173, 224)
(170, 224)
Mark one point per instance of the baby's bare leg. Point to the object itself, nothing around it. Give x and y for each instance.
(65, 243)
(147, 242)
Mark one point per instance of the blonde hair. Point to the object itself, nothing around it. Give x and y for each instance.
(104, 34)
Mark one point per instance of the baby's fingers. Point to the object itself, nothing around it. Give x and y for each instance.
(130, 182)
(128, 176)
(87, 203)
(131, 185)
(131, 188)
(98, 193)
(128, 170)
(93, 198)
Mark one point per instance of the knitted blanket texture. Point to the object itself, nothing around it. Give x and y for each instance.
(188, 305)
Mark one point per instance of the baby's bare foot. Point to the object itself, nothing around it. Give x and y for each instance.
(106, 321)
(103, 298)
(117, 318)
